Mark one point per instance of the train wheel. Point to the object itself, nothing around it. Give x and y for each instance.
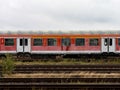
(27, 56)
(20, 55)
(59, 57)
(3, 57)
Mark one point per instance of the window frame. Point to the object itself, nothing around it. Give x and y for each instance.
(52, 44)
(40, 44)
(9, 44)
(81, 39)
(66, 43)
(93, 44)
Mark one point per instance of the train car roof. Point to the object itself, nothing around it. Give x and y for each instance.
(60, 35)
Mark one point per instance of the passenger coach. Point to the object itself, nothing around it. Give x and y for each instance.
(48, 45)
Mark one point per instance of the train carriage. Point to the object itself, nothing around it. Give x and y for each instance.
(59, 44)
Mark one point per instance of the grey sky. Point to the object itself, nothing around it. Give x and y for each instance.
(56, 15)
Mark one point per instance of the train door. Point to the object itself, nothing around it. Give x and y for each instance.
(111, 44)
(108, 45)
(23, 44)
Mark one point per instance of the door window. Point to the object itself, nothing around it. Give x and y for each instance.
(106, 42)
(110, 42)
(21, 42)
(26, 42)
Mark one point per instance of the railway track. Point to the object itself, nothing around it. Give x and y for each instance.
(60, 83)
(77, 80)
(66, 68)
(71, 83)
(35, 86)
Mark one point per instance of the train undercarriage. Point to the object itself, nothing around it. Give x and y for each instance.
(28, 56)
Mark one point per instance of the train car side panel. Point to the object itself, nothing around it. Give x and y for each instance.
(86, 46)
(118, 45)
(8, 45)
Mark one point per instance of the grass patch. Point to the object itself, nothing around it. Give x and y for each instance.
(65, 61)
(7, 65)
(69, 62)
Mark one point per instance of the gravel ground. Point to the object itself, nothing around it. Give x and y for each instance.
(65, 75)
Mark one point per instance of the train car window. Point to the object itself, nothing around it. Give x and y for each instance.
(26, 42)
(119, 41)
(9, 42)
(21, 42)
(66, 42)
(93, 42)
(37, 42)
(52, 42)
(80, 42)
(105, 42)
(110, 42)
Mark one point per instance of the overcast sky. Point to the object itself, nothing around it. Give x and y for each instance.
(56, 15)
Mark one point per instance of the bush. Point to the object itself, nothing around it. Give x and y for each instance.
(7, 64)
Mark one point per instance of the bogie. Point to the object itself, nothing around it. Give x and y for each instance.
(2, 57)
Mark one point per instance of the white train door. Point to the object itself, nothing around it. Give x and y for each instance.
(111, 44)
(23, 45)
(108, 45)
(104, 44)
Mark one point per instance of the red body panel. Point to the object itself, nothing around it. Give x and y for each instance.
(0, 43)
(8, 48)
(117, 46)
(72, 47)
(45, 47)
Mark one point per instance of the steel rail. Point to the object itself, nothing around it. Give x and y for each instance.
(60, 83)
(65, 68)
(61, 86)
(60, 80)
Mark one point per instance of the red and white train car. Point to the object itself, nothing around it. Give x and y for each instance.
(59, 44)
